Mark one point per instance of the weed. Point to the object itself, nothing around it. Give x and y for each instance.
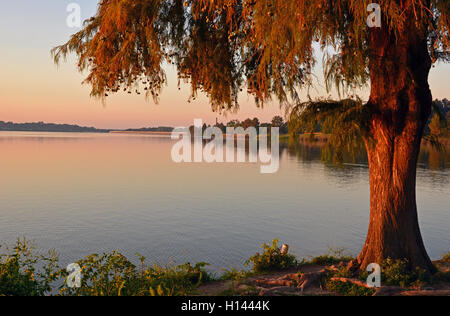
(348, 289)
(271, 259)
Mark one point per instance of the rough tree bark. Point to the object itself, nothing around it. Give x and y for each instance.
(400, 105)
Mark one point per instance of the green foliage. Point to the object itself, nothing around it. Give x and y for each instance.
(446, 257)
(438, 127)
(345, 121)
(271, 259)
(441, 277)
(175, 280)
(105, 275)
(114, 275)
(399, 273)
(25, 273)
(326, 260)
(19, 274)
(277, 121)
(344, 288)
(348, 289)
(234, 274)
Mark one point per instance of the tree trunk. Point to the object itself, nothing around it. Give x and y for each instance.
(400, 104)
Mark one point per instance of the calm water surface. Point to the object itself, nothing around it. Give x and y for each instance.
(89, 193)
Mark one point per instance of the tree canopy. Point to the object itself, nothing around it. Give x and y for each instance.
(222, 47)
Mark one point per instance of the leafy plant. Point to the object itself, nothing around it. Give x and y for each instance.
(398, 272)
(333, 257)
(25, 273)
(176, 280)
(234, 274)
(441, 276)
(348, 289)
(271, 259)
(114, 275)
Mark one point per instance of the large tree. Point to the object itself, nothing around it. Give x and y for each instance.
(267, 47)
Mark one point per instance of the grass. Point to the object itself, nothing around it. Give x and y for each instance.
(234, 274)
(334, 256)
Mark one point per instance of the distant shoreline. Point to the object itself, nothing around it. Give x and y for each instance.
(48, 127)
(53, 131)
(141, 132)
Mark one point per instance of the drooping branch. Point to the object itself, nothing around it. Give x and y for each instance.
(223, 47)
(346, 123)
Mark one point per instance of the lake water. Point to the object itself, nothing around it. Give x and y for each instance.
(93, 193)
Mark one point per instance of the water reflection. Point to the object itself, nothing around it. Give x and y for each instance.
(308, 152)
(86, 193)
(431, 158)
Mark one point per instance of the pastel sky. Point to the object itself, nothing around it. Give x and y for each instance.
(32, 88)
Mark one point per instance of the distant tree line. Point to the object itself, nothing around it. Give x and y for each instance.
(438, 124)
(164, 129)
(443, 105)
(277, 121)
(48, 127)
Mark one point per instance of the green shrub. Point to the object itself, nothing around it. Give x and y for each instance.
(25, 273)
(441, 276)
(446, 257)
(114, 275)
(271, 259)
(19, 275)
(348, 289)
(399, 273)
(334, 256)
(234, 274)
(175, 280)
(327, 260)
